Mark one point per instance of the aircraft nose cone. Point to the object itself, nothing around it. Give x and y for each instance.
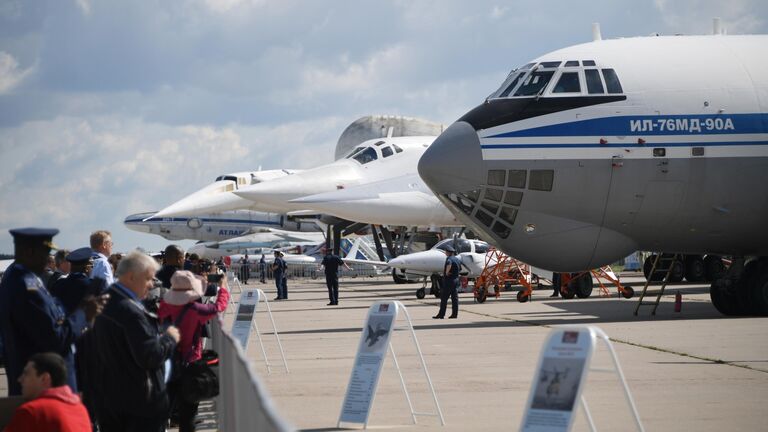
(454, 162)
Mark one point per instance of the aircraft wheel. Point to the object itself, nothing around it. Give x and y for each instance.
(421, 293)
(694, 269)
(722, 298)
(581, 286)
(567, 293)
(482, 294)
(677, 271)
(648, 265)
(628, 292)
(714, 268)
(522, 296)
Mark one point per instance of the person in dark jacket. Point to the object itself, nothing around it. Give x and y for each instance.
(278, 272)
(132, 358)
(72, 289)
(174, 260)
(31, 319)
(450, 284)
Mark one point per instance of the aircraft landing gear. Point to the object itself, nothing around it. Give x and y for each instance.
(421, 293)
(522, 296)
(743, 290)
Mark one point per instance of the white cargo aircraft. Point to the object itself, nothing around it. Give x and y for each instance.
(591, 152)
(215, 226)
(218, 196)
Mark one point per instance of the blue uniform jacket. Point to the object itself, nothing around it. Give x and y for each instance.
(32, 321)
(71, 290)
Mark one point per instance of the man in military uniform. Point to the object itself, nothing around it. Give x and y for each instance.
(31, 320)
(331, 263)
(71, 290)
(450, 284)
(278, 271)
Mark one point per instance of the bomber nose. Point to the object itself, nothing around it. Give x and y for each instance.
(454, 162)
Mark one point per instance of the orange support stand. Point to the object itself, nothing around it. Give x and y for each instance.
(501, 269)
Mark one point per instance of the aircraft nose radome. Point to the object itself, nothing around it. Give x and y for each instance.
(454, 162)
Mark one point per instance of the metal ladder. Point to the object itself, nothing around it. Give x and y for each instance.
(664, 283)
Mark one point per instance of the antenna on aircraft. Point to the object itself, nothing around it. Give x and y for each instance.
(390, 132)
(717, 28)
(596, 36)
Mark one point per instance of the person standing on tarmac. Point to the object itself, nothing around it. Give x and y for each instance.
(31, 320)
(263, 269)
(331, 263)
(278, 271)
(556, 282)
(450, 284)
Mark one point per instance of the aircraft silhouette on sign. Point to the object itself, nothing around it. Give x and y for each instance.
(375, 335)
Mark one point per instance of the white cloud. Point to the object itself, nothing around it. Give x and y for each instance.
(85, 6)
(695, 16)
(10, 74)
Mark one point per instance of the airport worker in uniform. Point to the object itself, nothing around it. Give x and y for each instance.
(132, 354)
(101, 243)
(278, 272)
(72, 289)
(556, 282)
(31, 319)
(450, 284)
(331, 265)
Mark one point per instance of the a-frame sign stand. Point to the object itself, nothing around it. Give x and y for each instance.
(245, 321)
(372, 349)
(561, 376)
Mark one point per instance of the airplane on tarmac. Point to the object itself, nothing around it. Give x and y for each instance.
(259, 238)
(398, 201)
(215, 226)
(591, 152)
(371, 161)
(218, 196)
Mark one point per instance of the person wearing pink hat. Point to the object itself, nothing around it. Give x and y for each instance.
(186, 290)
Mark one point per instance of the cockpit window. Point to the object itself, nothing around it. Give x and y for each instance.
(462, 245)
(568, 83)
(481, 247)
(572, 63)
(397, 149)
(549, 64)
(594, 85)
(226, 177)
(365, 156)
(612, 81)
(379, 143)
(354, 152)
(387, 151)
(512, 84)
(534, 82)
(588, 62)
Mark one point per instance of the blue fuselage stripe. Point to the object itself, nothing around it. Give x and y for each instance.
(209, 220)
(627, 145)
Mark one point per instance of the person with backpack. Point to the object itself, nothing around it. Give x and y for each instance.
(450, 284)
(181, 308)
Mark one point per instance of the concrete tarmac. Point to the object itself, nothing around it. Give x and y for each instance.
(693, 370)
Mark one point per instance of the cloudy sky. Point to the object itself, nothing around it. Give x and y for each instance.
(112, 107)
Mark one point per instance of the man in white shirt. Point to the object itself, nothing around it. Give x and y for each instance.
(101, 243)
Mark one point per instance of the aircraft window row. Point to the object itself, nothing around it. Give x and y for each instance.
(365, 156)
(525, 83)
(549, 64)
(387, 151)
(572, 63)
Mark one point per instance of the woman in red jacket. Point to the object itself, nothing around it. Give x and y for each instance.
(187, 289)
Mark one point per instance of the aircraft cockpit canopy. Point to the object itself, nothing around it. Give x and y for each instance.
(236, 182)
(569, 78)
(460, 245)
(379, 149)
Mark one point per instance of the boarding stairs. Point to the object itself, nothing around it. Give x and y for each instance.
(660, 262)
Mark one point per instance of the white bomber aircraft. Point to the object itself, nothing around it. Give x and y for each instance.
(398, 201)
(259, 238)
(590, 152)
(371, 161)
(218, 196)
(213, 227)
